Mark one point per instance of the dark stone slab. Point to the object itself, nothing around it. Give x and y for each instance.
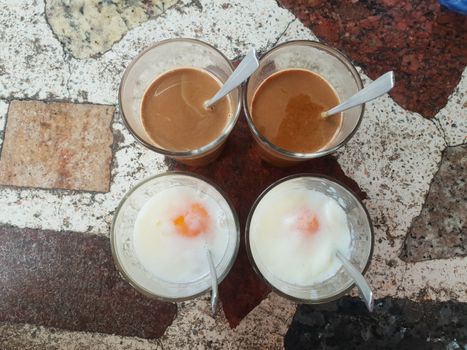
(440, 231)
(420, 41)
(68, 280)
(395, 324)
(242, 174)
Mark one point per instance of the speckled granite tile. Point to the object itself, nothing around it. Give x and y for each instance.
(263, 328)
(422, 43)
(91, 27)
(242, 174)
(395, 324)
(57, 145)
(453, 117)
(440, 231)
(436, 280)
(32, 63)
(68, 280)
(32, 337)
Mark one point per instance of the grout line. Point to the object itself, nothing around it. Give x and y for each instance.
(34, 98)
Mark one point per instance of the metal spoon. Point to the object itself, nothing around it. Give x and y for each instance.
(377, 88)
(215, 293)
(360, 281)
(246, 68)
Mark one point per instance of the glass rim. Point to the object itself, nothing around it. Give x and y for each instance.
(255, 266)
(298, 155)
(180, 154)
(113, 248)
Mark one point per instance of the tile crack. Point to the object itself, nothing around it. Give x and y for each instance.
(283, 32)
(441, 130)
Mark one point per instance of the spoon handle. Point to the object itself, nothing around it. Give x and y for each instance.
(246, 68)
(360, 281)
(215, 293)
(377, 88)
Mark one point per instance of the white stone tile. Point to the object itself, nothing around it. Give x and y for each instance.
(32, 62)
(440, 280)
(453, 117)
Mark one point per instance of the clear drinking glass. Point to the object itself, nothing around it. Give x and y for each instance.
(319, 58)
(122, 237)
(361, 244)
(158, 59)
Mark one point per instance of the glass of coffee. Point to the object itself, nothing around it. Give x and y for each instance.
(162, 95)
(283, 101)
(293, 232)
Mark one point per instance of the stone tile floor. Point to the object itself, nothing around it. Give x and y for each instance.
(61, 65)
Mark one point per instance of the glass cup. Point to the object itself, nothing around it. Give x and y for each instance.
(122, 237)
(158, 59)
(361, 242)
(333, 66)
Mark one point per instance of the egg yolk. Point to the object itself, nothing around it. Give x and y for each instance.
(193, 222)
(307, 222)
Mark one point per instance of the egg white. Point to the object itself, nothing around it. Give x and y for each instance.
(281, 249)
(167, 254)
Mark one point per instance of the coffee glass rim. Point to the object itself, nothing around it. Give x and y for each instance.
(181, 154)
(300, 155)
(250, 254)
(123, 273)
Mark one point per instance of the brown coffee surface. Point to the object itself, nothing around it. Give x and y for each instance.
(287, 106)
(173, 112)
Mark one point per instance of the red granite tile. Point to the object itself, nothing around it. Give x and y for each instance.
(242, 174)
(68, 280)
(424, 44)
